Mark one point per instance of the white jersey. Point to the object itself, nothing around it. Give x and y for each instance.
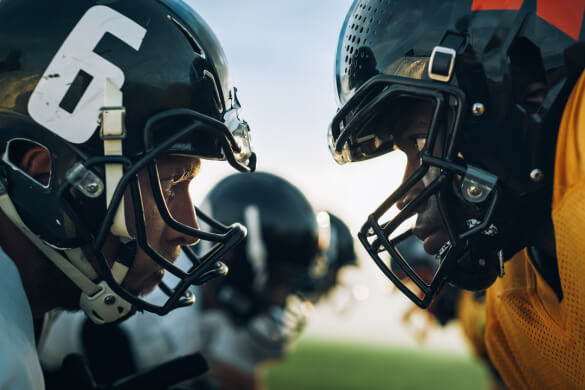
(62, 339)
(19, 361)
(153, 339)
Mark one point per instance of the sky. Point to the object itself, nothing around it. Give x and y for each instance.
(281, 57)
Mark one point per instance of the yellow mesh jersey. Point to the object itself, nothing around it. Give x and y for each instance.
(471, 317)
(535, 341)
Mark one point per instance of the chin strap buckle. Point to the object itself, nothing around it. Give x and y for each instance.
(442, 63)
(105, 305)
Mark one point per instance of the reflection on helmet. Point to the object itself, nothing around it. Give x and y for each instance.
(108, 90)
(495, 83)
(339, 253)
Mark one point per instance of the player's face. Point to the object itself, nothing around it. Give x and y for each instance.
(175, 172)
(414, 126)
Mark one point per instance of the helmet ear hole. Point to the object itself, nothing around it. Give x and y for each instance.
(31, 159)
(528, 74)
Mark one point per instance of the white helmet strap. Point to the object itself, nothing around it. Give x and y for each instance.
(112, 133)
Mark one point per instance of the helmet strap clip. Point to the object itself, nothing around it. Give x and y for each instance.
(477, 184)
(442, 63)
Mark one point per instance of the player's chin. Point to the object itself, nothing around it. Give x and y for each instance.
(152, 282)
(147, 284)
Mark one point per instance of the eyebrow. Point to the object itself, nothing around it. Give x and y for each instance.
(180, 174)
(188, 173)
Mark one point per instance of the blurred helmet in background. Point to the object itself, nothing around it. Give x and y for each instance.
(270, 271)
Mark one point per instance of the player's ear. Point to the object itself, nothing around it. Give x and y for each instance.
(34, 160)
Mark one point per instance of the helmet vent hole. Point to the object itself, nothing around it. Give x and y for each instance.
(192, 41)
(209, 80)
(362, 24)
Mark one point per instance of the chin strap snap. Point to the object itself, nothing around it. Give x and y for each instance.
(105, 305)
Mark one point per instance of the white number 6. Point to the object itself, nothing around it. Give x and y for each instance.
(76, 54)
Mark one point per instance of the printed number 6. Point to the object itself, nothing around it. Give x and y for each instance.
(75, 55)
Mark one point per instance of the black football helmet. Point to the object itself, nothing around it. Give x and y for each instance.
(278, 263)
(109, 87)
(493, 77)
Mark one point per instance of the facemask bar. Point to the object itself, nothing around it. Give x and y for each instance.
(375, 236)
(241, 158)
(375, 239)
(232, 134)
(381, 89)
(205, 267)
(218, 238)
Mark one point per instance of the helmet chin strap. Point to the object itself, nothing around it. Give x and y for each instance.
(98, 301)
(111, 306)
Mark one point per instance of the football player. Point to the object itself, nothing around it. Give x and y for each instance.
(259, 309)
(289, 260)
(106, 110)
(484, 99)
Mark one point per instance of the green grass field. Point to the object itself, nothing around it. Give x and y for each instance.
(323, 365)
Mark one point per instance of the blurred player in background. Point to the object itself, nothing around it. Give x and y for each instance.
(290, 259)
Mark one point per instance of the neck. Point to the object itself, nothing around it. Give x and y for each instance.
(45, 285)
